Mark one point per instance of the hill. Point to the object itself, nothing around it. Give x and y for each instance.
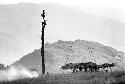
(61, 52)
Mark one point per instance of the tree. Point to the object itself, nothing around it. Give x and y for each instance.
(42, 38)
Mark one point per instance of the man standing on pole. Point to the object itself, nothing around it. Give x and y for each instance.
(42, 38)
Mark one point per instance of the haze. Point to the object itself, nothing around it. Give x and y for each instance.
(119, 4)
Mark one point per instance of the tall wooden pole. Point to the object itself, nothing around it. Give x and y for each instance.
(42, 39)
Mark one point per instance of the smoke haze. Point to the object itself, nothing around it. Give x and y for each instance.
(14, 73)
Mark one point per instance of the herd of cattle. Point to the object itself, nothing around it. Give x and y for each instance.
(88, 66)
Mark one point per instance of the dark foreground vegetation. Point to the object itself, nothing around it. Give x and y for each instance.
(116, 77)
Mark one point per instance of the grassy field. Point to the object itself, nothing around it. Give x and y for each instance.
(116, 77)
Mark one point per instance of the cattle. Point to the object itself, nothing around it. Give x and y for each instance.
(91, 66)
(88, 66)
(67, 66)
(80, 66)
(112, 65)
(107, 65)
(99, 66)
(72, 66)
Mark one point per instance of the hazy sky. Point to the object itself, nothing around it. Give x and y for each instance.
(119, 4)
(97, 7)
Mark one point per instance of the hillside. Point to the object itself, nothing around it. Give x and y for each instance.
(57, 53)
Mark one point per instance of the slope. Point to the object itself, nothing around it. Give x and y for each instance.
(61, 52)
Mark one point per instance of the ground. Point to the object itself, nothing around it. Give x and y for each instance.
(115, 77)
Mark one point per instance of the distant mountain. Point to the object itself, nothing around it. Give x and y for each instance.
(21, 22)
(76, 51)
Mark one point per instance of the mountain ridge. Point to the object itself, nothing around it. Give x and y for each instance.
(61, 52)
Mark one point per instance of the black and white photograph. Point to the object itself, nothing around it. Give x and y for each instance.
(62, 42)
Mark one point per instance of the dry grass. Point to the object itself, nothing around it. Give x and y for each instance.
(116, 77)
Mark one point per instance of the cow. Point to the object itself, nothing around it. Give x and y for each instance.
(99, 66)
(82, 66)
(112, 65)
(91, 66)
(87, 66)
(72, 66)
(107, 65)
(75, 66)
(67, 66)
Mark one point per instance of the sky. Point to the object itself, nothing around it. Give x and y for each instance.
(97, 7)
(116, 12)
(119, 4)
